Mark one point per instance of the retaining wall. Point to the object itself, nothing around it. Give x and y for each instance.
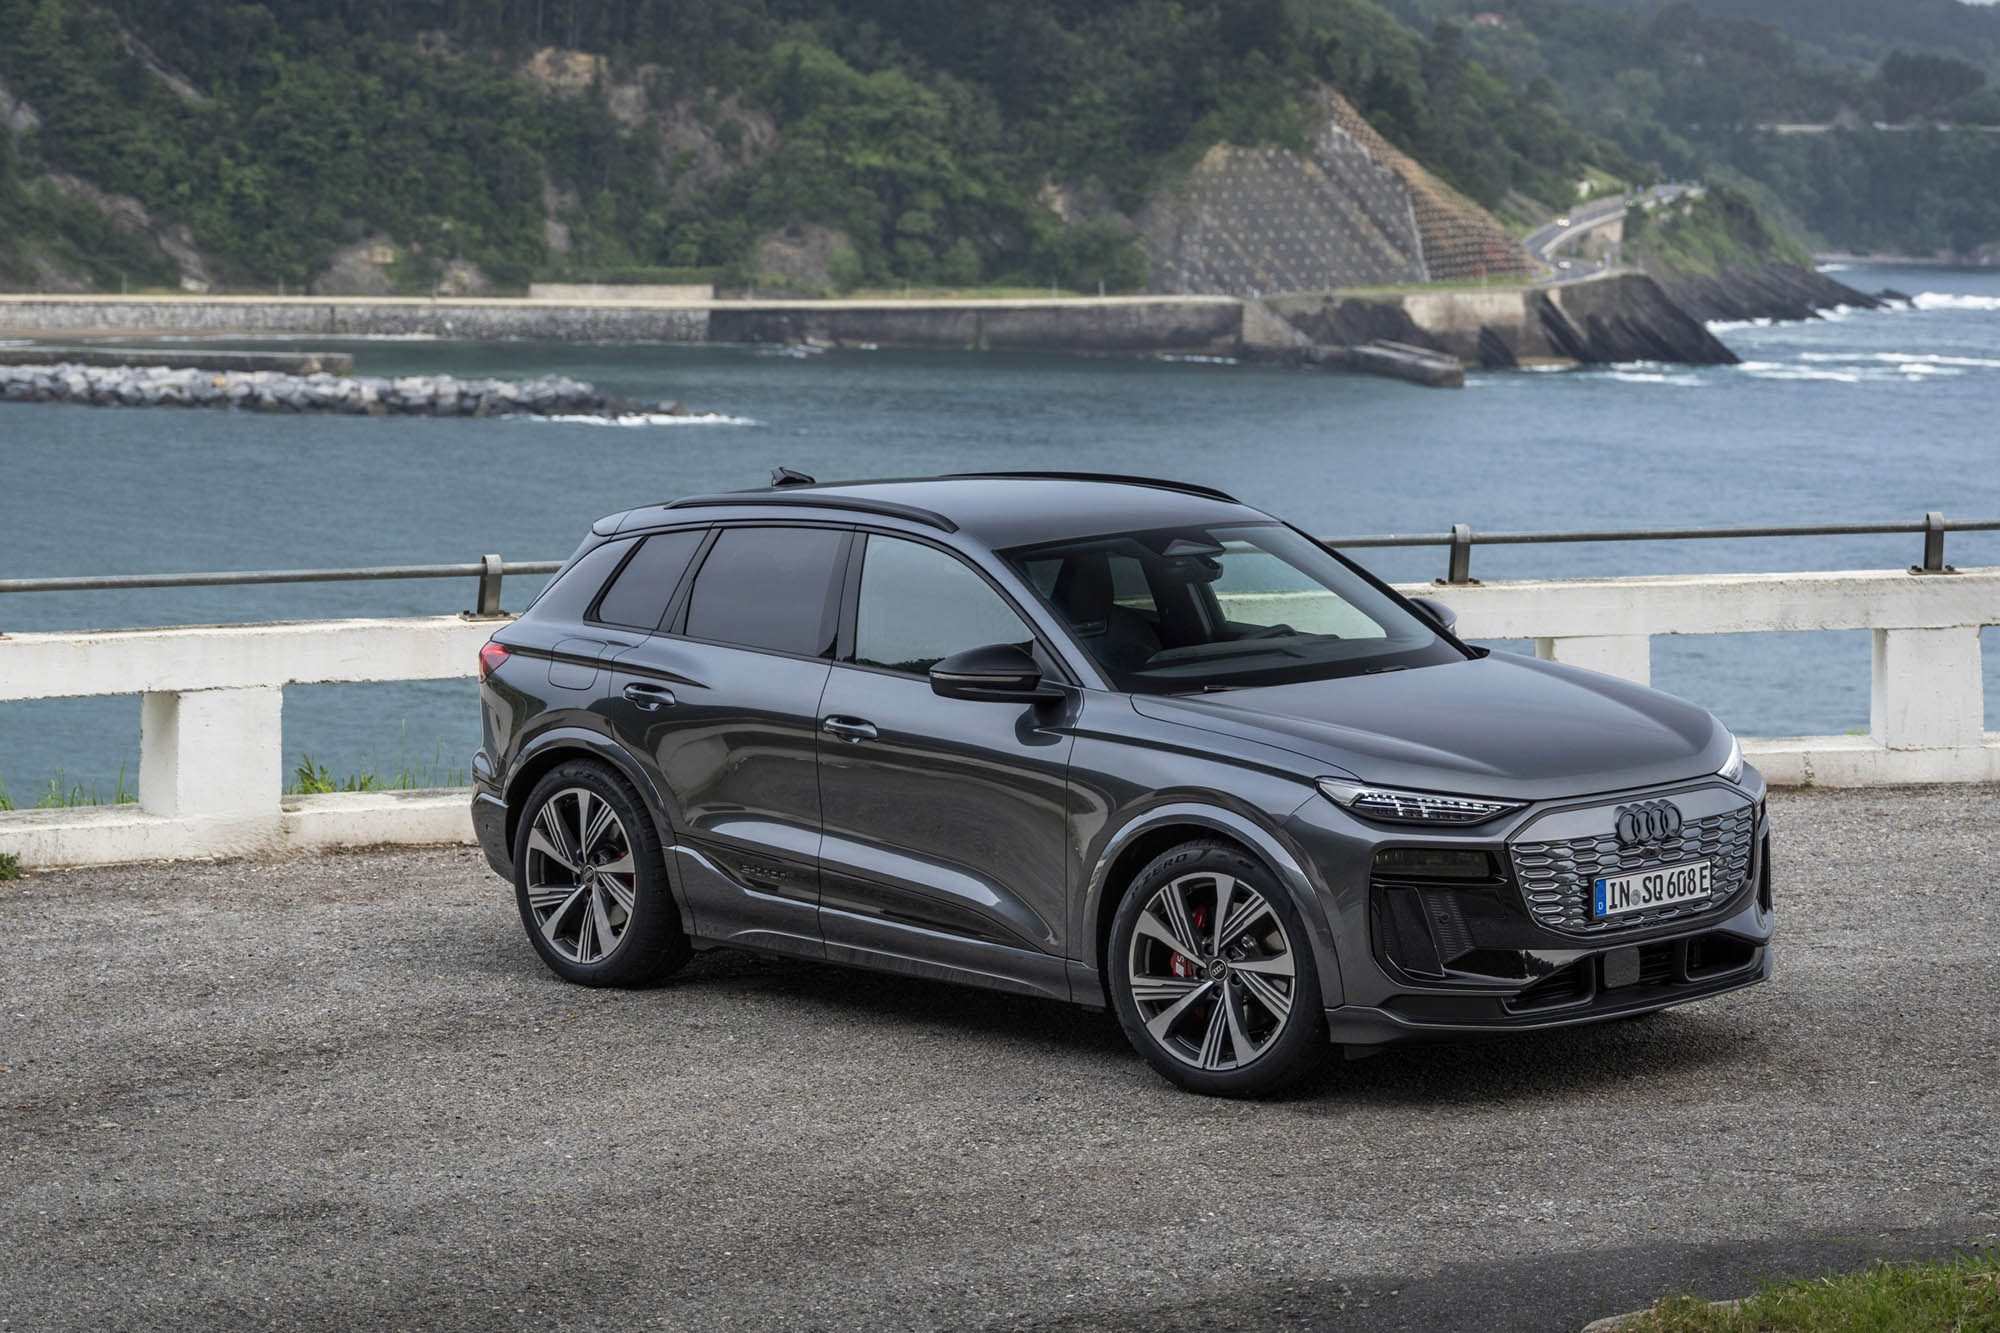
(211, 698)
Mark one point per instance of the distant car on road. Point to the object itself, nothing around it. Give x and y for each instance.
(1122, 742)
(1562, 222)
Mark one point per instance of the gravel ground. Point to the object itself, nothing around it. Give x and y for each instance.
(341, 1091)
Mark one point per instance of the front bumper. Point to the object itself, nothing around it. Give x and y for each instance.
(1517, 949)
(1609, 983)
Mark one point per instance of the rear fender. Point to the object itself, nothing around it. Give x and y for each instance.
(547, 748)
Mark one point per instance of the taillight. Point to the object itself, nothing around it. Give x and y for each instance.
(491, 655)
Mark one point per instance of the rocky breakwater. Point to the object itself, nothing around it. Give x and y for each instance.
(1771, 289)
(272, 391)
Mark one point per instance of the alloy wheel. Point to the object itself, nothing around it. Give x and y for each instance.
(581, 876)
(1212, 971)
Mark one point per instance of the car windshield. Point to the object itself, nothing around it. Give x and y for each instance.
(1181, 610)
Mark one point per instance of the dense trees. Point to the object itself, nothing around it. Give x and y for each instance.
(925, 133)
(1686, 85)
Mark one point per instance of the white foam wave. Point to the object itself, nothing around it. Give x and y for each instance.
(1834, 268)
(1947, 301)
(632, 419)
(1681, 379)
(1731, 325)
(1905, 358)
(1778, 370)
(796, 351)
(1192, 359)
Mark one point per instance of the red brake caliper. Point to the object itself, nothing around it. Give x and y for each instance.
(1183, 966)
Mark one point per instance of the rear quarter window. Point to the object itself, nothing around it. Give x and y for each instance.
(573, 590)
(639, 595)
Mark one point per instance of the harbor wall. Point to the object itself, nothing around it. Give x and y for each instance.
(1207, 325)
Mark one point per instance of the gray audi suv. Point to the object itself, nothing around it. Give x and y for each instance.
(1114, 741)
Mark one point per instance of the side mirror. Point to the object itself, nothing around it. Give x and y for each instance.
(996, 673)
(1441, 615)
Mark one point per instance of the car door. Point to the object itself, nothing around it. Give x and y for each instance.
(943, 818)
(722, 708)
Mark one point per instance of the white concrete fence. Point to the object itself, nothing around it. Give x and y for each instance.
(211, 698)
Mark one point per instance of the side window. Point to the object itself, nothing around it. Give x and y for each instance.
(919, 605)
(768, 588)
(638, 597)
(643, 589)
(570, 595)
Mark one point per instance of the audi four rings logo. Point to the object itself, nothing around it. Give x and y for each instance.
(1649, 822)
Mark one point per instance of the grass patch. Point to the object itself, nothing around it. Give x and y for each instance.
(310, 778)
(10, 867)
(59, 793)
(1962, 1294)
(1706, 233)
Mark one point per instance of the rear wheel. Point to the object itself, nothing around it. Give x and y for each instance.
(1212, 975)
(591, 882)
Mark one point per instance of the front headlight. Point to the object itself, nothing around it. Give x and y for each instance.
(1391, 806)
(1732, 767)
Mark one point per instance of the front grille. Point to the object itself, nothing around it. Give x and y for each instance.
(1556, 877)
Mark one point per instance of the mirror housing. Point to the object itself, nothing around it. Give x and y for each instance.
(995, 673)
(1440, 615)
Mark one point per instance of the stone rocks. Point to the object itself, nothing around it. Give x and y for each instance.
(1773, 290)
(271, 391)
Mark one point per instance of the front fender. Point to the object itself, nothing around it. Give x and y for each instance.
(1277, 852)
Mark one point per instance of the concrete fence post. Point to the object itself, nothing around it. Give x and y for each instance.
(211, 752)
(1626, 655)
(1927, 693)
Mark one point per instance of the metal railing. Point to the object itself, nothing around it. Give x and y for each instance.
(491, 569)
(1461, 539)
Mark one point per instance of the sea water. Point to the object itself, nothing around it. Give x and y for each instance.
(1861, 416)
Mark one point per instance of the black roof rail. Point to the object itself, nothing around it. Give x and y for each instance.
(794, 496)
(1186, 487)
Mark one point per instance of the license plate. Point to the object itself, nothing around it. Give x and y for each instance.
(1647, 890)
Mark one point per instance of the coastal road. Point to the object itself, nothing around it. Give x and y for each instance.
(341, 1092)
(1544, 241)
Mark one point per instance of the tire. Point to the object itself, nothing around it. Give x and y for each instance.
(1264, 972)
(616, 887)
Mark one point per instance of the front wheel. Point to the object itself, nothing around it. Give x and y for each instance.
(1212, 975)
(591, 882)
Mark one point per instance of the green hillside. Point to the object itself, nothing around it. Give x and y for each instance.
(1688, 87)
(534, 139)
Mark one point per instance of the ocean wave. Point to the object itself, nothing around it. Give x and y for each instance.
(1947, 301)
(1782, 370)
(631, 419)
(1194, 359)
(1834, 268)
(1679, 379)
(1731, 325)
(1905, 358)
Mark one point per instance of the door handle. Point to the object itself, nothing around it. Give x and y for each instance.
(650, 697)
(850, 729)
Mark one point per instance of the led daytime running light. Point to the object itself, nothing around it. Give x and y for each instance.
(1412, 807)
(1732, 767)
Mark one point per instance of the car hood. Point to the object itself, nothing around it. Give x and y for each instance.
(1501, 725)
